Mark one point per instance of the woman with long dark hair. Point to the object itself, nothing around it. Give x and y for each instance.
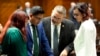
(85, 41)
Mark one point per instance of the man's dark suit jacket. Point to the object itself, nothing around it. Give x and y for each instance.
(67, 33)
(44, 47)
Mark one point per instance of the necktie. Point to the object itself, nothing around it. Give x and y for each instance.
(36, 47)
(55, 41)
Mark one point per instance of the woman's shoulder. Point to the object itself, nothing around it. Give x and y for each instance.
(13, 31)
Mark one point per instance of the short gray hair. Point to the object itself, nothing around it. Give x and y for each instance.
(60, 9)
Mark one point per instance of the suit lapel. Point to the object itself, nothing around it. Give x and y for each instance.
(49, 31)
(61, 30)
(47, 27)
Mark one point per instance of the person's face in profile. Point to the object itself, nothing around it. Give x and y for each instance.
(57, 17)
(77, 15)
(35, 19)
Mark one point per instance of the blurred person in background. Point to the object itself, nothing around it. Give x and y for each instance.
(19, 7)
(71, 16)
(27, 8)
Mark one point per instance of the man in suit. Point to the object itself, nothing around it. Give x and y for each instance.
(37, 43)
(65, 31)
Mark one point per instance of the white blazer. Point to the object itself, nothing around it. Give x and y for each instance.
(85, 40)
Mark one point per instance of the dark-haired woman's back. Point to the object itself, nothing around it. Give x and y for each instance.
(13, 43)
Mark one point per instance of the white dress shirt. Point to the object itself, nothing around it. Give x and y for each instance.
(85, 41)
(52, 32)
(33, 36)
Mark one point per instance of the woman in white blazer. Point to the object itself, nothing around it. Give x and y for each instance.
(85, 40)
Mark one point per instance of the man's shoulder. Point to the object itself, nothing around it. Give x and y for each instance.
(67, 21)
(46, 18)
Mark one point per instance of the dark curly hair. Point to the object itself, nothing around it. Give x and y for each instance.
(83, 9)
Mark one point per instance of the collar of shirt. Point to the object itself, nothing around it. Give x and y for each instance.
(30, 25)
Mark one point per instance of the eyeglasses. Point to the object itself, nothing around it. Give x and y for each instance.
(38, 18)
